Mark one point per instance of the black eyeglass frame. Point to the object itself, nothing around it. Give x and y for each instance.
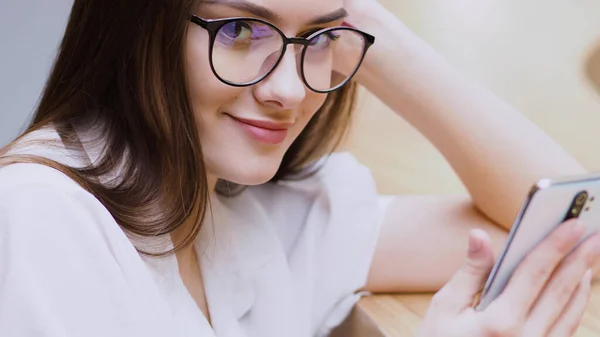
(214, 25)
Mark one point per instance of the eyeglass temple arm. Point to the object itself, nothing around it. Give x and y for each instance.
(202, 23)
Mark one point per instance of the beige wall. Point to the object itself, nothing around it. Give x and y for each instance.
(531, 53)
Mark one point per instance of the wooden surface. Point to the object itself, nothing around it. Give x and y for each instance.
(542, 56)
(400, 316)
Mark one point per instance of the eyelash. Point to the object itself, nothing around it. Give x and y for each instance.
(310, 32)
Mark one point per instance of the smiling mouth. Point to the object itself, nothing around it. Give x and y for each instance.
(267, 132)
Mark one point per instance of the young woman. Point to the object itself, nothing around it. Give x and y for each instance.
(176, 181)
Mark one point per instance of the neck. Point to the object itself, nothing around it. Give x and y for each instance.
(212, 182)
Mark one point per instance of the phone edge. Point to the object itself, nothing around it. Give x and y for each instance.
(539, 185)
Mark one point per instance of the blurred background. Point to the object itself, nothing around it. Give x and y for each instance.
(30, 31)
(539, 55)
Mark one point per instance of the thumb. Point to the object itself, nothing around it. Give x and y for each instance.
(462, 288)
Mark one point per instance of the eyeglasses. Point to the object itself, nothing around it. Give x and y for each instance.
(244, 51)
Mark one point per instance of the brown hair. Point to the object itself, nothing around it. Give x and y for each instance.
(120, 65)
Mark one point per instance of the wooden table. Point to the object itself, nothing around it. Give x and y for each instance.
(400, 316)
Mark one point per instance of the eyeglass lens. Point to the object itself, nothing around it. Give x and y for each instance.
(246, 50)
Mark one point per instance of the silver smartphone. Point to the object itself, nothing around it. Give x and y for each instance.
(550, 203)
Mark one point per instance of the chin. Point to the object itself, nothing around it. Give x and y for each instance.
(248, 172)
(251, 178)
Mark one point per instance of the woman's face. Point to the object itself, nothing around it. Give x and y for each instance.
(245, 131)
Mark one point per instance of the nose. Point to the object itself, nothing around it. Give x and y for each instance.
(283, 88)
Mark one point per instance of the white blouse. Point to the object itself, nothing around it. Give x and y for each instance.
(278, 260)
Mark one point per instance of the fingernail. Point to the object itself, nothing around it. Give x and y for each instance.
(587, 278)
(474, 243)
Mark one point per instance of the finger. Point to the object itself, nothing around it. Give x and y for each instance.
(530, 277)
(466, 283)
(561, 287)
(570, 319)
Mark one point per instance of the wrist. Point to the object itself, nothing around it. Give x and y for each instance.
(392, 38)
(395, 46)
(370, 17)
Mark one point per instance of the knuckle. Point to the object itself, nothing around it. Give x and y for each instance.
(592, 241)
(562, 244)
(559, 242)
(569, 330)
(561, 296)
(592, 256)
(541, 268)
(541, 262)
(587, 254)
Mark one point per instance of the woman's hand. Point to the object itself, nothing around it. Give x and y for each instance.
(360, 11)
(546, 295)
(346, 51)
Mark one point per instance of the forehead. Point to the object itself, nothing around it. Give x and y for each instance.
(286, 13)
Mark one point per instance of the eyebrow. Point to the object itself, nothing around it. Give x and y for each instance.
(269, 15)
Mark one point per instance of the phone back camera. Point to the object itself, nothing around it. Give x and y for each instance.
(577, 205)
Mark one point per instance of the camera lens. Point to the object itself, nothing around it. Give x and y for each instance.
(581, 199)
(577, 205)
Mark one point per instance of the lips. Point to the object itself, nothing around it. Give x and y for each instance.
(267, 132)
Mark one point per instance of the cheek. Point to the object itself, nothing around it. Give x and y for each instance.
(312, 103)
(207, 94)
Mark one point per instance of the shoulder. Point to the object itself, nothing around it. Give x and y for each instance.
(19, 176)
(70, 268)
(35, 185)
(42, 207)
(37, 182)
(48, 221)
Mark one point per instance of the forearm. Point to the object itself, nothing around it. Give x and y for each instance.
(427, 247)
(495, 150)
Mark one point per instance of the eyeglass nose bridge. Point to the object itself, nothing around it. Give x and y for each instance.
(296, 40)
(299, 41)
(290, 41)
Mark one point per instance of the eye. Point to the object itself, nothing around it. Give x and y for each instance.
(323, 40)
(236, 31)
(244, 33)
